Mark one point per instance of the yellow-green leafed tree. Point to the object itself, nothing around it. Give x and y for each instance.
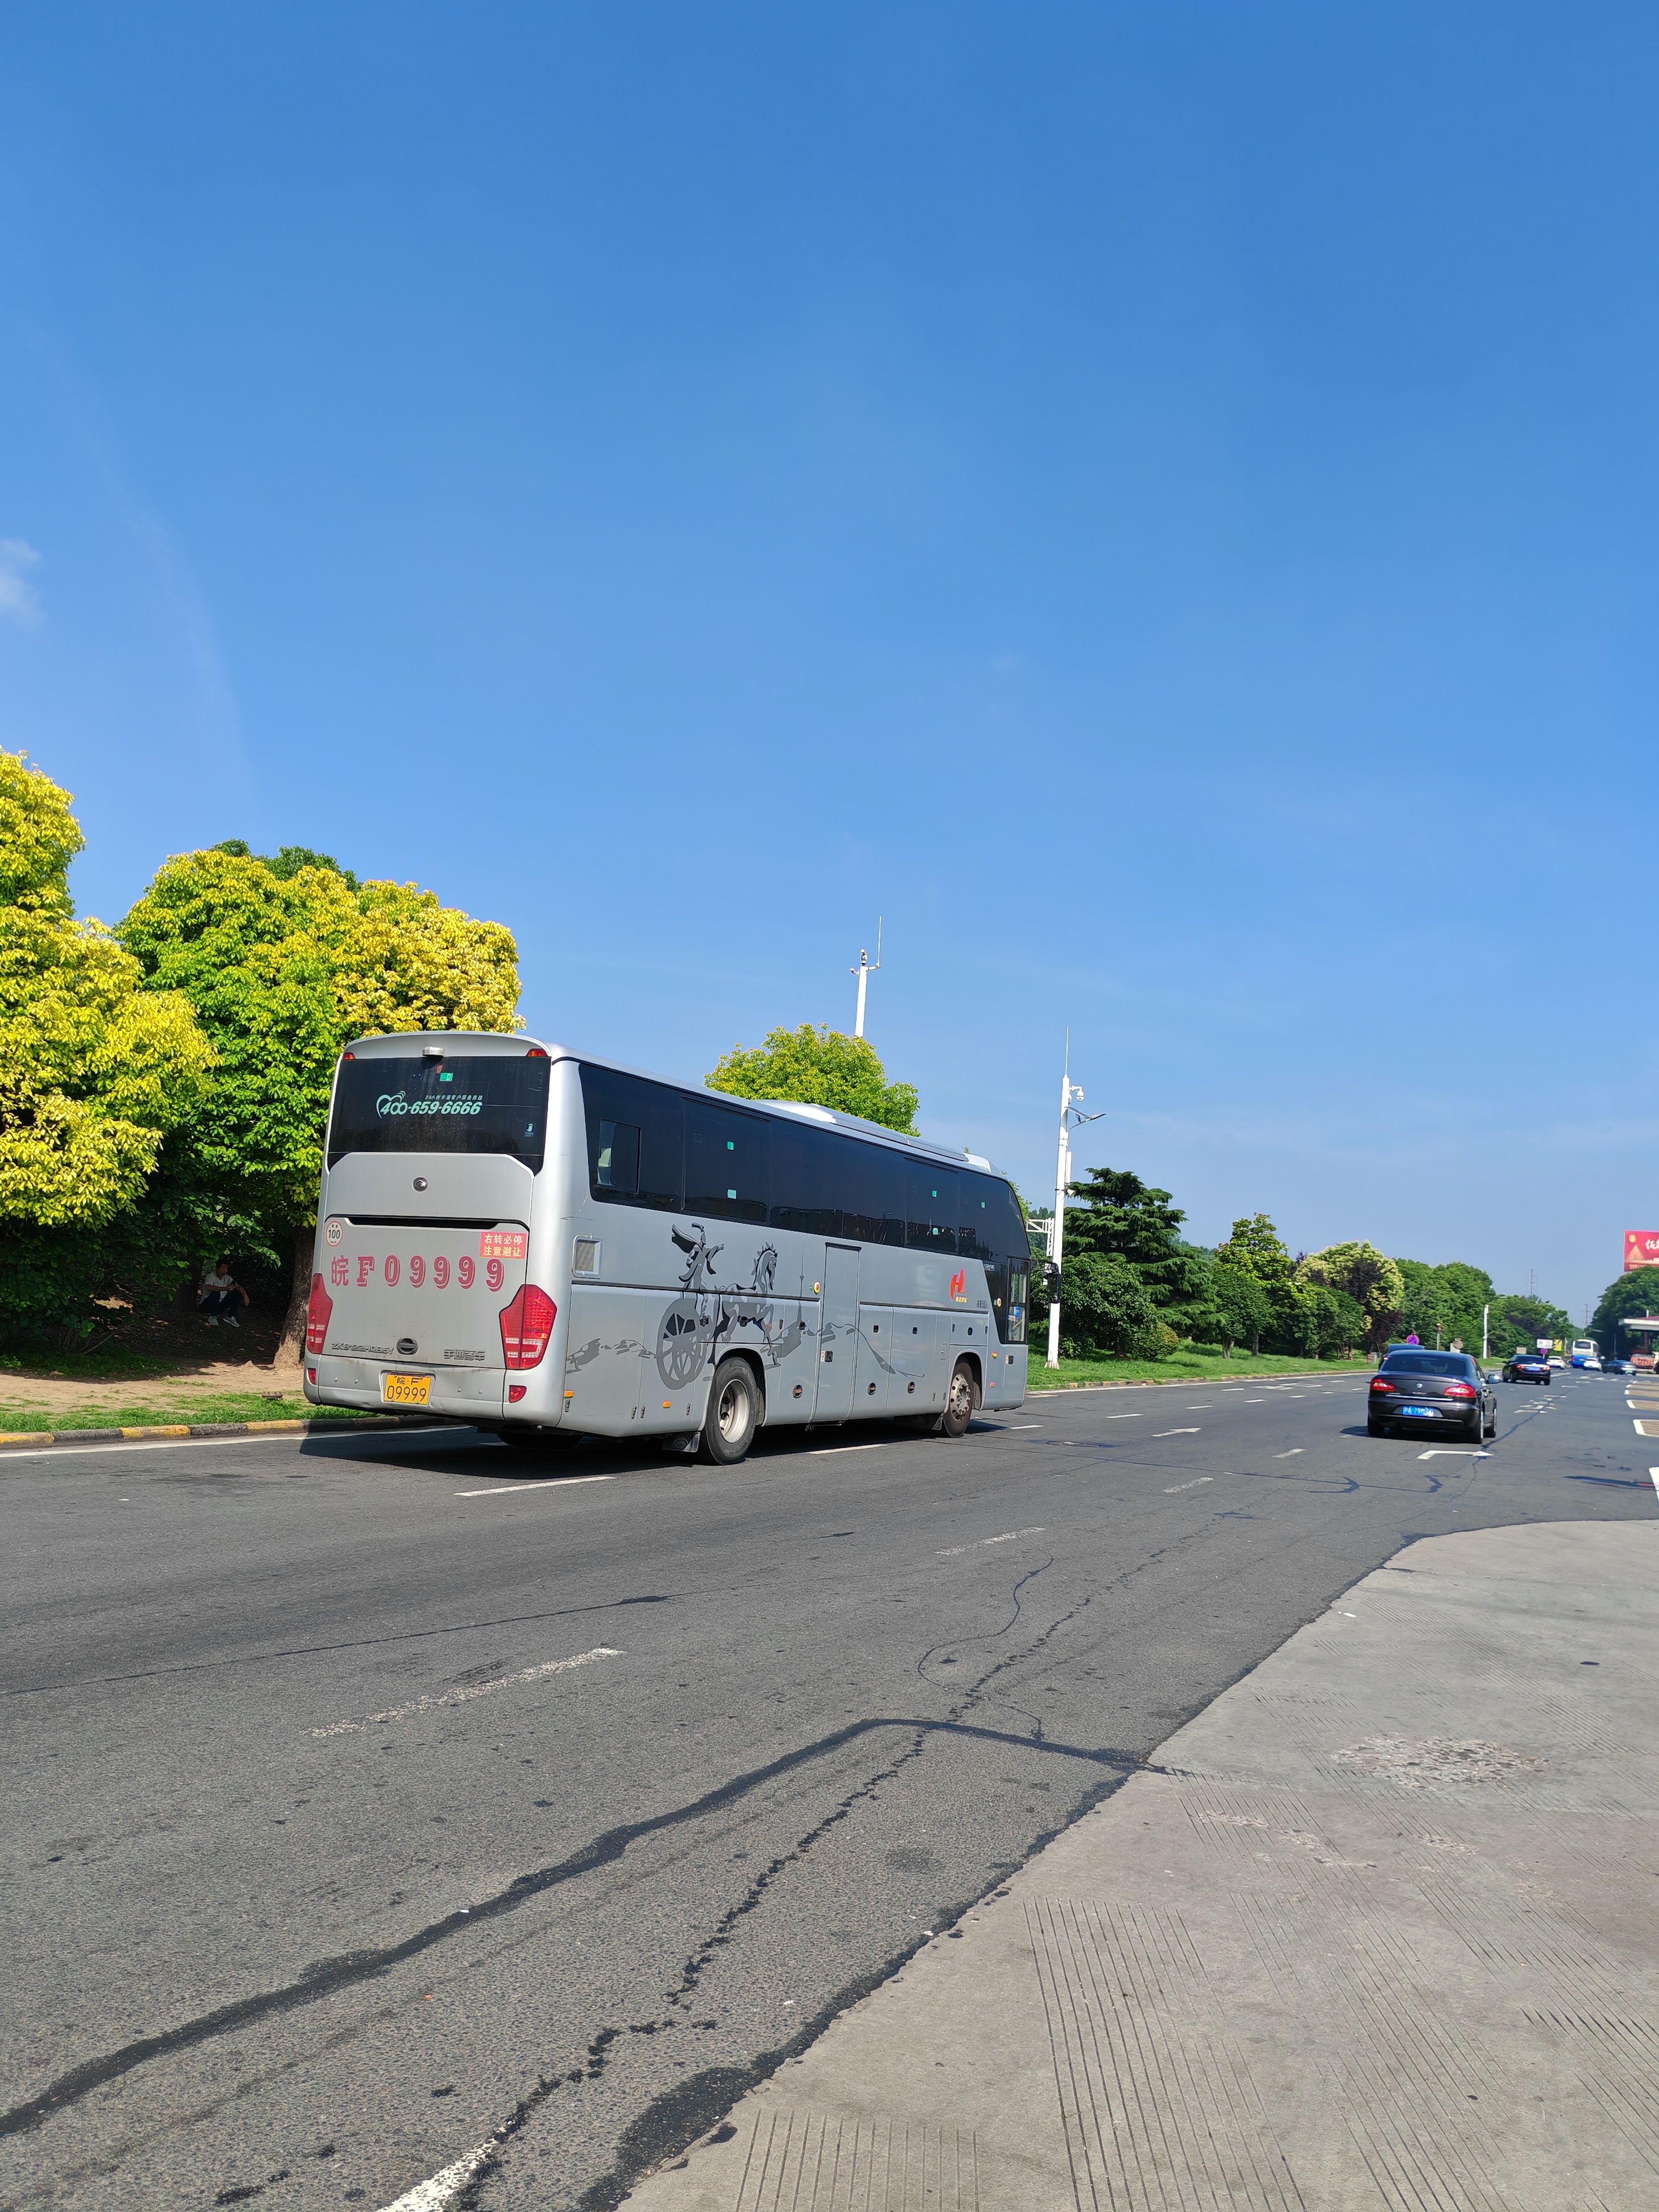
(1368, 1277)
(285, 964)
(816, 1065)
(94, 1069)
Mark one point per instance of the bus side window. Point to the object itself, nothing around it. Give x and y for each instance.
(728, 1171)
(617, 1166)
(871, 1180)
(634, 1140)
(931, 1208)
(806, 1195)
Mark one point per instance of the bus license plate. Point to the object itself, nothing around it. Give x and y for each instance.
(406, 1390)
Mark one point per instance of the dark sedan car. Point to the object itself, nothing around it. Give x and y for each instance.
(1528, 1367)
(1431, 1390)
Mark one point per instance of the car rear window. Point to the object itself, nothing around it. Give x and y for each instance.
(1457, 1363)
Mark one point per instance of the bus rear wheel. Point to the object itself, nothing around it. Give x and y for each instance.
(961, 1401)
(733, 1415)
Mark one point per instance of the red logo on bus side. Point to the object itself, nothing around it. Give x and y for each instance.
(959, 1286)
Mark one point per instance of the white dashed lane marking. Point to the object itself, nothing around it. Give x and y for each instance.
(1156, 1433)
(1175, 1488)
(534, 1489)
(439, 2189)
(1291, 1454)
(1012, 1536)
(471, 1690)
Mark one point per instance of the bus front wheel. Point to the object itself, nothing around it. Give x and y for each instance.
(733, 1414)
(961, 1401)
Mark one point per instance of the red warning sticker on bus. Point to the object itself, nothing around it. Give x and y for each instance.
(503, 1244)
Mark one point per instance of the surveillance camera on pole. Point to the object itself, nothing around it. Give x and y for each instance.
(865, 969)
(1070, 1097)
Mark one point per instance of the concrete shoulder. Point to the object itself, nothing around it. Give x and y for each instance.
(1375, 1929)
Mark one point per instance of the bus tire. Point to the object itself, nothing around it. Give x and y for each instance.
(733, 1415)
(961, 1401)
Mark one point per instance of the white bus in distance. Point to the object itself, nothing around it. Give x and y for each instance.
(551, 1247)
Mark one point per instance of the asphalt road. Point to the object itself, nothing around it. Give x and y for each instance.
(383, 1806)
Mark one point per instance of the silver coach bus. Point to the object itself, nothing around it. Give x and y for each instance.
(548, 1246)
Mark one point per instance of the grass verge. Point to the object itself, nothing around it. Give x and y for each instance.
(1184, 1367)
(219, 1406)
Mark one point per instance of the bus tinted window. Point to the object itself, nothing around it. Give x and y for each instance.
(991, 1227)
(497, 1103)
(805, 1188)
(728, 1168)
(872, 1180)
(635, 1139)
(930, 1206)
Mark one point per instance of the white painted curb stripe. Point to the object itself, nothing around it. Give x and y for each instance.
(433, 2194)
(1654, 1473)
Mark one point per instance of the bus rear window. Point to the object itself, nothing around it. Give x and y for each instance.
(497, 1103)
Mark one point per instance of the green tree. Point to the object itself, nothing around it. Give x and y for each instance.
(283, 970)
(814, 1066)
(1638, 1292)
(1243, 1311)
(1520, 1319)
(288, 861)
(1367, 1276)
(1256, 1248)
(1124, 1218)
(1447, 1298)
(94, 1070)
(1104, 1307)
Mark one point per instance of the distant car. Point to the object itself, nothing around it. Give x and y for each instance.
(1432, 1389)
(1527, 1367)
(1556, 1360)
(1590, 1364)
(1611, 1366)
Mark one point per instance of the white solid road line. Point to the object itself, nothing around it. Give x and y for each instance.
(471, 1690)
(201, 1444)
(1291, 1454)
(531, 1487)
(433, 2194)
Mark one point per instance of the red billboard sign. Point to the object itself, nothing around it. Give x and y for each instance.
(1641, 1248)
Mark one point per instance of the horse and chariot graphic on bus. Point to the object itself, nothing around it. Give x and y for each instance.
(707, 1316)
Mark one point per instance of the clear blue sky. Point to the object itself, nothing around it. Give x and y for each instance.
(1156, 501)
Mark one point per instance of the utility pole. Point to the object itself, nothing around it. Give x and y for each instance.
(1486, 1318)
(1071, 1096)
(863, 971)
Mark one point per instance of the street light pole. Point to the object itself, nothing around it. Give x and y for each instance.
(1071, 1096)
(863, 972)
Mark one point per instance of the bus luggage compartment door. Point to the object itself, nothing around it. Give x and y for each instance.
(838, 1334)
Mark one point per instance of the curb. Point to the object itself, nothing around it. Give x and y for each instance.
(1155, 1382)
(348, 1427)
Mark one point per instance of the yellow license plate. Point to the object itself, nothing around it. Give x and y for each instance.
(406, 1390)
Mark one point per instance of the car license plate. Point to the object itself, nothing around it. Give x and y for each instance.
(1418, 1412)
(406, 1389)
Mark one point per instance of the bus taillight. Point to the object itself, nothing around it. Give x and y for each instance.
(528, 1326)
(318, 1313)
